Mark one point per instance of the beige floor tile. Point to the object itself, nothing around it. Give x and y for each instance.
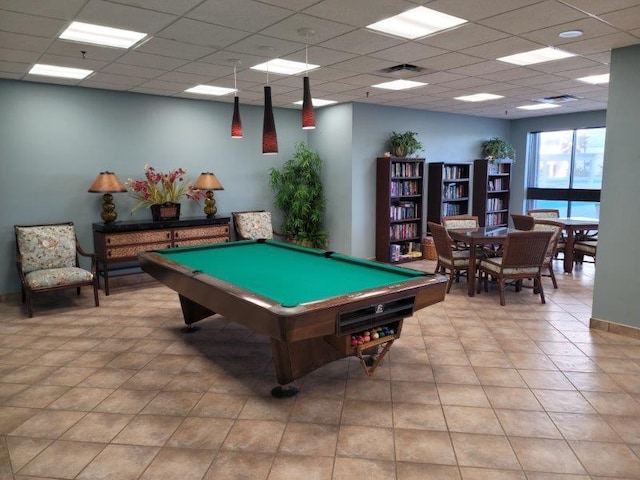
(316, 410)
(201, 433)
(23, 450)
(563, 401)
(119, 462)
(148, 430)
(68, 376)
(365, 442)
(172, 403)
(546, 380)
(499, 377)
(423, 471)
(607, 459)
(81, 398)
(286, 467)
(254, 436)
(107, 378)
(628, 427)
(231, 465)
(76, 456)
(471, 473)
(485, 451)
(47, 424)
(267, 408)
(526, 423)
(173, 463)
(455, 374)
(418, 416)
(546, 455)
(512, 398)
(584, 426)
(97, 427)
(368, 414)
(472, 420)
(126, 401)
(309, 439)
(368, 389)
(346, 468)
(531, 361)
(423, 446)
(607, 403)
(36, 396)
(220, 405)
(415, 392)
(463, 395)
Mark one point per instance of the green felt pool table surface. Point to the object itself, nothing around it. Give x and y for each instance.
(288, 274)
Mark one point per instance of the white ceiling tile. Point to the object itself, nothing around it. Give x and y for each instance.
(502, 48)
(93, 52)
(601, 44)
(565, 64)
(20, 56)
(108, 78)
(590, 27)
(62, 9)
(323, 30)
(408, 52)
(365, 65)
(123, 16)
(74, 62)
(132, 70)
(438, 77)
(171, 48)
(248, 15)
(533, 17)
(361, 42)
(14, 67)
(191, 79)
(24, 42)
(104, 85)
(358, 12)
(30, 24)
(325, 56)
(151, 61)
(596, 7)
(205, 69)
(477, 9)
(54, 80)
(626, 19)
(168, 6)
(201, 33)
(331, 74)
(449, 61)
(254, 45)
(170, 86)
(483, 68)
(152, 91)
(464, 36)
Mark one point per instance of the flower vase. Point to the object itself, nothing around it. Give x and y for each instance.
(165, 211)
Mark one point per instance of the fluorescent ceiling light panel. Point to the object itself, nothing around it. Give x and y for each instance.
(284, 67)
(210, 90)
(479, 97)
(61, 72)
(538, 106)
(595, 79)
(541, 55)
(99, 35)
(317, 102)
(399, 85)
(417, 22)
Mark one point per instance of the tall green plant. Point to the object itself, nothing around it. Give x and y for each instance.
(300, 196)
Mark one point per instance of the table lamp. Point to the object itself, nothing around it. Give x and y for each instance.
(208, 181)
(107, 183)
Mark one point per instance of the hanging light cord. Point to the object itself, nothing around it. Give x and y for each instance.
(235, 84)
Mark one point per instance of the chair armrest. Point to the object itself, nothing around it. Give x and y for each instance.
(92, 256)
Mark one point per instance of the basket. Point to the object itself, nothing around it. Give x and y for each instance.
(429, 248)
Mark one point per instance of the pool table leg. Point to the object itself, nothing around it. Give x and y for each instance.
(192, 312)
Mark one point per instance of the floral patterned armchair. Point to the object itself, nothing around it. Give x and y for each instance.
(255, 224)
(47, 260)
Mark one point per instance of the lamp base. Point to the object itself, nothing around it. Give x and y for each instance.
(108, 209)
(210, 208)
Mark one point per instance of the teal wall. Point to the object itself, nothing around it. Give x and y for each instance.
(616, 284)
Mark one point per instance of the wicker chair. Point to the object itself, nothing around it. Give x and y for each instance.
(523, 256)
(253, 225)
(453, 222)
(549, 214)
(522, 222)
(47, 260)
(454, 261)
(585, 247)
(544, 213)
(556, 229)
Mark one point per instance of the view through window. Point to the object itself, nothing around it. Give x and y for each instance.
(565, 171)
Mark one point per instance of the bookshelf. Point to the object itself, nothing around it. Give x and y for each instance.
(491, 191)
(399, 208)
(448, 187)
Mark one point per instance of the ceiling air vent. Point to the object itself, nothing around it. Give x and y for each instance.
(404, 70)
(557, 99)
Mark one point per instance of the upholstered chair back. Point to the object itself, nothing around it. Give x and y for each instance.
(46, 246)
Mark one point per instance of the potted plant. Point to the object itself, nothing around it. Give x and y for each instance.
(299, 194)
(497, 149)
(404, 144)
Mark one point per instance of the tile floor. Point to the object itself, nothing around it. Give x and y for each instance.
(471, 391)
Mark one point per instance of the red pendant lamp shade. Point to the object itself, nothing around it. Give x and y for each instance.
(269, 137)
(308, 117)
(236, 123)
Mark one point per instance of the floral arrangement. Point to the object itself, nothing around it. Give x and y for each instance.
(158, 188)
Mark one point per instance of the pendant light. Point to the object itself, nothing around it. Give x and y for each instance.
(269, 136)
(236, 123)
(308, 116)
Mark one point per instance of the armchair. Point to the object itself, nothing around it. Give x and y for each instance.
(47, 260)
(455, 261)
(523, 256)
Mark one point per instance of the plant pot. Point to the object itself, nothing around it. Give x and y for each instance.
(165, 211)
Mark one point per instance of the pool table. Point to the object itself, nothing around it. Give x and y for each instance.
(308, 301)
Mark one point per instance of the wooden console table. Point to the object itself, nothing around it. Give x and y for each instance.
(117, 244)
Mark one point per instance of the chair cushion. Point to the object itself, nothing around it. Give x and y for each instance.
(55, 277)
(495, 266)
(254, 225)
(47, 246)
(588, 247)
(460, 259)
(460, 224)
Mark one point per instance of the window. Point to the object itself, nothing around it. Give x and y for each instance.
(565, 171)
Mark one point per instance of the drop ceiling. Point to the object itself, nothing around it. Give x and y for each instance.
(196, 42)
